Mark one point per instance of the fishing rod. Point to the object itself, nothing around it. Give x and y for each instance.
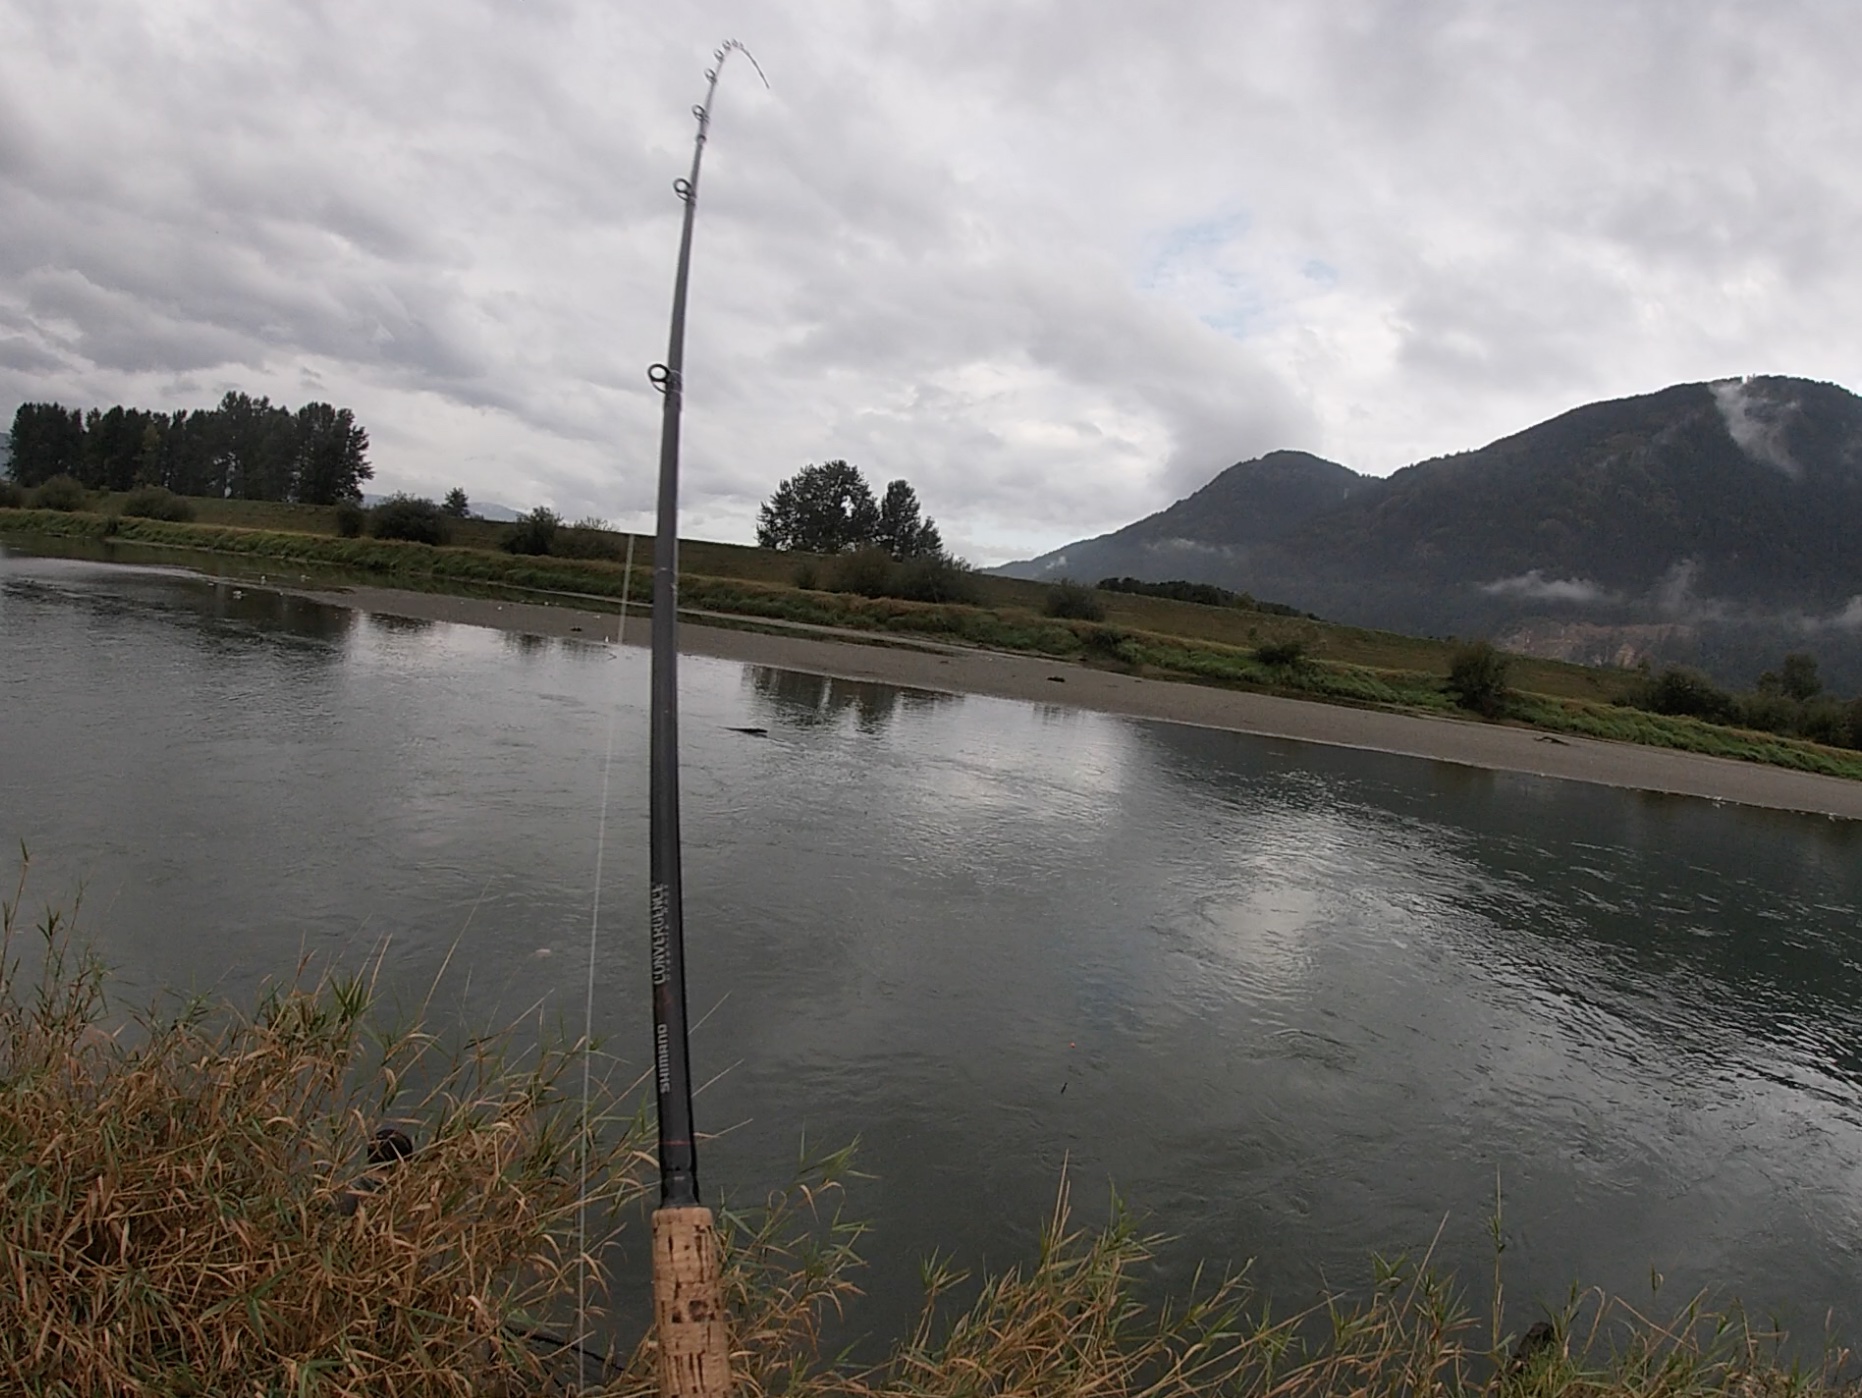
(688, 1292)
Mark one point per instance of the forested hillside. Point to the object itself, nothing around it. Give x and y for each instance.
(1712, 523)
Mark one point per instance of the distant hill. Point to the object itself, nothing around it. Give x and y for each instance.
(502, 514)
(1717, 523)
(1216, 531)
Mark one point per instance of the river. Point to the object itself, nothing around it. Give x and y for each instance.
(1296, 1003)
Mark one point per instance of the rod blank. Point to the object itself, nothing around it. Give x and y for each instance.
(690, 1323)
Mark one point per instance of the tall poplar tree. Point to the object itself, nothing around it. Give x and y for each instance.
(332, 455)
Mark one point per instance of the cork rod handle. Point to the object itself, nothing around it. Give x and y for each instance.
(688, 1306)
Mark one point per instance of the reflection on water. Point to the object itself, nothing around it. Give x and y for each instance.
(219, 609)
(806, 700)
(382, 621)
(1297, 1002)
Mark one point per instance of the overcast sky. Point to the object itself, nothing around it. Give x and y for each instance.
(1056, 263)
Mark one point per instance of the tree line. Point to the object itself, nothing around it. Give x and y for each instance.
(246, 449)
(1790, 700)
(1203, 594)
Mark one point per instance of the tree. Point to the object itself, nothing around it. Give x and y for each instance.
(1477, 678)
(112, 448)
(820, 509)
(332, 455)
(191, 452)
(46, 440)
(258, 449)
(900, 531)
(1798, 677)
(456, 504)
(152, 452)
(248, 448)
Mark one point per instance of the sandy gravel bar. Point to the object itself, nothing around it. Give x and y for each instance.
(933, 665)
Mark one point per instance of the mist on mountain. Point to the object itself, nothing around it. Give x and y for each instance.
(1713, 524)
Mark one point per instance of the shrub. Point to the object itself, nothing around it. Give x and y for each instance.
(934, 579)
(411, 518)
(1277, 608)
(1769, 711)
(351, 519)
(157, 502)
(1109, 643)
(1071, 601)
(1477, 678)
(11, 496)
(588, 538)
(1282, 654)
(865, 572)
(1824, 721)
(60, 493)
(872, 572)
(534, 534)
(1854, 739)
(1690, 694)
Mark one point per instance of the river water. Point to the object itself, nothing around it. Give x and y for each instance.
(1296, 1003)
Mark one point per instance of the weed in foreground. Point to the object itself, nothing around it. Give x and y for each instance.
(1074, 1323)
(185, 1208)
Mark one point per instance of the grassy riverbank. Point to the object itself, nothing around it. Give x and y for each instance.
(188, 1209)
(1150, 636)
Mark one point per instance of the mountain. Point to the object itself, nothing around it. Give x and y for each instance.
(501, 514)
(1217, 531)
(1716, 523)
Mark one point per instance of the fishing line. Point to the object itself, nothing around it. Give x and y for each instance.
(594, 929)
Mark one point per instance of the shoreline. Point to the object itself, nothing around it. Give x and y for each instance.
(926, 664)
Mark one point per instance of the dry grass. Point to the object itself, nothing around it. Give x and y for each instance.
(185, 1212)
(1072, 1325)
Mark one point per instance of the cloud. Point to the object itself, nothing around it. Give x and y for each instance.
(1757, 423)
(1057, 264)
(23, 355)
(1534, 586)
(1848, 617)
(1676, 596)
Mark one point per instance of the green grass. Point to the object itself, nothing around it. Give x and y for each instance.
(1151, 636)
(1628, 725)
